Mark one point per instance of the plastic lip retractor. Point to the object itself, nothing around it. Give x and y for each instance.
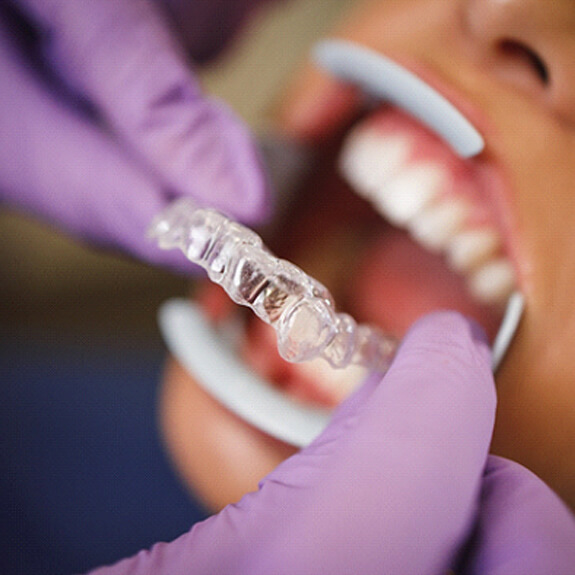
(386, 80)
(209, 353)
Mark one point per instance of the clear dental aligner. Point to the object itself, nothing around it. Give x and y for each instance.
(299, 308)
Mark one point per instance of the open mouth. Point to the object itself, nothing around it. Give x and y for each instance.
(406, 229)
(396, 224)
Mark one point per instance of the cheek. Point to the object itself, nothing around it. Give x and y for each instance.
(219, 456)
(536, 385)
(535, 154)
(546, 220)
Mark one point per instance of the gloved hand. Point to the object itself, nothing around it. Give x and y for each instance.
(102, 122)
(393, 485)
(523, 526)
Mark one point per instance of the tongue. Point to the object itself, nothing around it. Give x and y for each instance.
(397, 281)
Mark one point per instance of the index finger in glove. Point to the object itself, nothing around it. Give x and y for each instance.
(121, 56)
(441, 376)
(394, 494)
(399, 469)
(431, 418)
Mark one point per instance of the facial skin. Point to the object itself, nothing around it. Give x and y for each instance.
(508, 66)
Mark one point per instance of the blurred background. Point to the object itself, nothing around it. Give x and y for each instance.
(84, 480)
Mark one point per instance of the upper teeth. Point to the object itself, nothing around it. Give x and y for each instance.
(409, 193)
(437, 226)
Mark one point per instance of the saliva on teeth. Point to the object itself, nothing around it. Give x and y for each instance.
(299, 308)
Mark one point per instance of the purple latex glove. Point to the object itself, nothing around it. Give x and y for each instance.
(393, 485)
(523, 526)
(103, 122)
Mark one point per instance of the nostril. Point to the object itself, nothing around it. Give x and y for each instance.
(517, 51)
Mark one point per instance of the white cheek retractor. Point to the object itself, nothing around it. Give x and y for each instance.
(209, 355)
(386, 80)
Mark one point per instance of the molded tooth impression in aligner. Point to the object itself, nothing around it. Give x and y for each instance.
(299, 308)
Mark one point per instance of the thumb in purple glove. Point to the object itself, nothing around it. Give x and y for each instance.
(391, 486)
(523, 526)
(153, 135)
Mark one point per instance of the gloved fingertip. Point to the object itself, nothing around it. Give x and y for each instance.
(172, 260)
(226, 169)
(505, 479)
(448, 356)
(450, 332)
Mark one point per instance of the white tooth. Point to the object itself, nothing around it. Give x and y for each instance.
(436, 225)
(369, 159)
(339, 382)
(409, 192)
(493, 282)
(469, 249)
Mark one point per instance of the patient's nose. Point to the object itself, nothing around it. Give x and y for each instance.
(528, 43)
(511, 35)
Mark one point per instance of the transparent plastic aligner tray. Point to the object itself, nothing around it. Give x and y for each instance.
(299, 308)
